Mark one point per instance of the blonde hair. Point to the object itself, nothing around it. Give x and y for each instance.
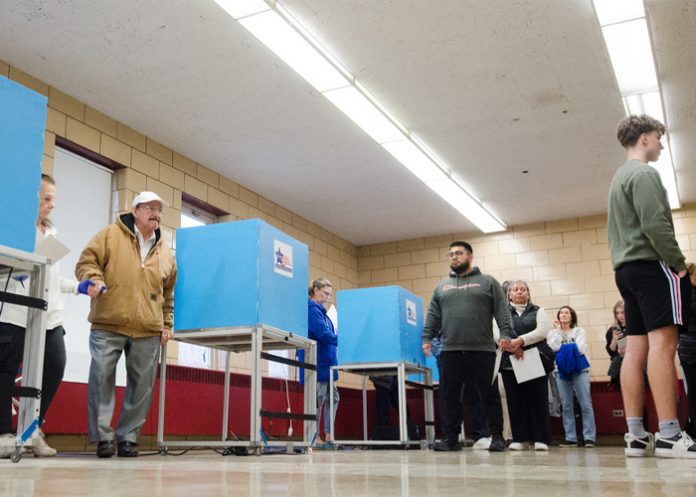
(318, 284)
(617, 306)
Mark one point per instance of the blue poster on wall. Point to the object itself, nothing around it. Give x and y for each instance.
(22, 127)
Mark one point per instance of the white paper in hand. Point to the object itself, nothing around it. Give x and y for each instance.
(529, 367)
(333, 316)
(51, 248)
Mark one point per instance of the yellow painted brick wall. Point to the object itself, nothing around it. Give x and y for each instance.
(153, 166)
(565, 262)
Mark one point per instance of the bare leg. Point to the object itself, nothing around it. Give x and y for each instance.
(661, 372)
(632, 374)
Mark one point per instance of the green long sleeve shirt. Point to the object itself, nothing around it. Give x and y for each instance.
(640, 225)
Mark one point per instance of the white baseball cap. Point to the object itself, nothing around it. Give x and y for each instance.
(144, 197)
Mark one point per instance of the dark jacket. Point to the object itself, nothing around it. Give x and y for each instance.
(687, 339)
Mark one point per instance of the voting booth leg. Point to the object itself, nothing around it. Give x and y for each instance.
(256, 383)
(226, 400)
(310, 395)
(429, 407)
(33, 362)
(364, 406)
(401, 381)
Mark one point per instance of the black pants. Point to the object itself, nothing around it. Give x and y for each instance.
(386, 397)
(528, 405)
(690, 380)
(468, 375)
(11, 354)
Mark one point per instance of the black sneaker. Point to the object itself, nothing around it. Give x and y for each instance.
(497, 444)
(680, 446)
(568, 444)
(639, 447)
(105, 449)
(589, 444)
(443, 446)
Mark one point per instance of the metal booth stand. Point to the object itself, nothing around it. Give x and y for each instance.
(15, 263)
(256, 339)
(401, 370)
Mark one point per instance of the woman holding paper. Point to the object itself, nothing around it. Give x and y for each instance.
(570, 344)
(13, 321)
(527, 401)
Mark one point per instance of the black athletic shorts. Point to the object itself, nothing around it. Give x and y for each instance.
(653, 295)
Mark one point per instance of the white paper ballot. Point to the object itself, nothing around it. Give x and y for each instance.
(529, 367)
(51, 248)
(333, 316)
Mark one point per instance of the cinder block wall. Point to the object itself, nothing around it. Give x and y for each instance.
(565, 262)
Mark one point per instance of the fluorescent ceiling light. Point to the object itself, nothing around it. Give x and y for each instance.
(274, 32)
(276, 28)
(613, 11)
(415, 160)
(645, 103)
(467, 205)
(364, 113)
(630, 52)
(665, 167)
(243, 8)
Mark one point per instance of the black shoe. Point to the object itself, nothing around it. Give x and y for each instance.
(105, 449)
(568, 444)
(127, 449)
(497, 444)
(443, 446)
(589, 444)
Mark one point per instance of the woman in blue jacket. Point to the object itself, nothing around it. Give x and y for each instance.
(321, 330)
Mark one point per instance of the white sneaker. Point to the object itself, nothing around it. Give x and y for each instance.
(680, 446)
(6, 450)
(541, 446)
(518, 446)
(39, 446)
(482, 443)
(639, 447)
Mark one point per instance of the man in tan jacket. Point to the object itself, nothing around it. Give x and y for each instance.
(134, 273)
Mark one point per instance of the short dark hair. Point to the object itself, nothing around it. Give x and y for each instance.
(573, 315)
(466, 245)
(631, 127)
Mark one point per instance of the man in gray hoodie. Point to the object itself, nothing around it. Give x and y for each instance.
(463, 307)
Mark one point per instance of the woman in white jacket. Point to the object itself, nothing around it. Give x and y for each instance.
(13, 321)
(566, 333)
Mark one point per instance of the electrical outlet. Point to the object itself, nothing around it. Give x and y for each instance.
(617, 413)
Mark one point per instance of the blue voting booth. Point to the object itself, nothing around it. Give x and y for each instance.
(382, 324)
(22, 126)
(244, 273)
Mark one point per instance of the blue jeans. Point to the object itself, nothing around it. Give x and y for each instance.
(581, 386)
(324, 400)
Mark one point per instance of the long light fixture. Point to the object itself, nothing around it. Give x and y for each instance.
(626, 35)
(276, 28)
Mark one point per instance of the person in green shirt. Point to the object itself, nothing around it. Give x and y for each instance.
(650, 272)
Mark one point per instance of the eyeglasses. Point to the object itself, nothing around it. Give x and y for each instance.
(456, 253)
(328, 295)
(151, 208)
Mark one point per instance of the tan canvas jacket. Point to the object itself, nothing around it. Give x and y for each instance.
(139, 300)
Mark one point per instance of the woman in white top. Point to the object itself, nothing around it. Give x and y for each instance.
(565, 333)
(13, 321)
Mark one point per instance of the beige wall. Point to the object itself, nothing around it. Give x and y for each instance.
(565, 262)
(153, 166)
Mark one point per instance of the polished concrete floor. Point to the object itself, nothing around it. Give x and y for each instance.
(353, 473)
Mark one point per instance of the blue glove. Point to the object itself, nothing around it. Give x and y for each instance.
(84, 285)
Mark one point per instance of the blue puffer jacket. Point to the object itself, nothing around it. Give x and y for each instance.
(570, 362)
(322, 331)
